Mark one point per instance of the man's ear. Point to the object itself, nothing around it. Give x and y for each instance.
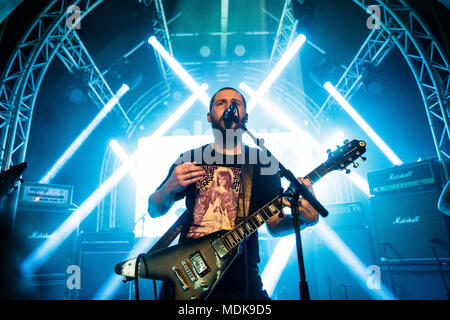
(209, 117)
(246, 118)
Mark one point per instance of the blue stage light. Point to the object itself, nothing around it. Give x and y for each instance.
(387, 151)
(180, 71)
(83, 136)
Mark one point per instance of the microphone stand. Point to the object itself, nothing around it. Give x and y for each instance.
(296, 189)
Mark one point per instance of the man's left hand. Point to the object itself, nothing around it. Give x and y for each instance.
(307, 213)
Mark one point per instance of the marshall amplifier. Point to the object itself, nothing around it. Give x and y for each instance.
(420, 175)
(36, 225)
(345, 215)
(409, 229)
(50, 195)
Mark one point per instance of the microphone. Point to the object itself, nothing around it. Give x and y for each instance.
(229, 114)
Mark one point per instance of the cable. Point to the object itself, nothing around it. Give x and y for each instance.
(433, 248)
(136, 274)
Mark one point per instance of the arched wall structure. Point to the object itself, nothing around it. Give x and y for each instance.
(50, 36)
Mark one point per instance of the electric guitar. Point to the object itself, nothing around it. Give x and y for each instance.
(194, 267)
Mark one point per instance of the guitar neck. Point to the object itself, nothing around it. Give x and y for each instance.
(235, 236)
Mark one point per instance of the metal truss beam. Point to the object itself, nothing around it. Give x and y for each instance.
(424, 56)
(285, 32)
(161, 32)
(23, 74)
(76, 58)
(372, 52)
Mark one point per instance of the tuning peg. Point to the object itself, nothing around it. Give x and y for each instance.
(363, 158)
(328, 151)
(347, 171)
(346, 141)
(355, 164)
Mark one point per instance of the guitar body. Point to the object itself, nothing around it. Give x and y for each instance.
(193, 268)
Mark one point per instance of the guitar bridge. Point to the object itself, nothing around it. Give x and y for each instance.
(179, 276)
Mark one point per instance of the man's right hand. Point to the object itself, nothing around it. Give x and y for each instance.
(183, 175)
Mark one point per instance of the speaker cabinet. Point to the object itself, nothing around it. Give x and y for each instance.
(408, 228)
(34, 226)
(97, 272)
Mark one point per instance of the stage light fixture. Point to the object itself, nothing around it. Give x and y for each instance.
(276, 71)
(83, 136)
(179, 70)
(387, 151)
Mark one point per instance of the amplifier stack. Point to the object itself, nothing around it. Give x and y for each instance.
(42, 208)
(409, 229)
(411, 234)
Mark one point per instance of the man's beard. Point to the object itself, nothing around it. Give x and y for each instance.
(225, 134)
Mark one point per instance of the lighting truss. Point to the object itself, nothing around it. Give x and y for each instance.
(372, 52)
(285, 32)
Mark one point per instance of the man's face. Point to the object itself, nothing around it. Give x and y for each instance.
(222, 101)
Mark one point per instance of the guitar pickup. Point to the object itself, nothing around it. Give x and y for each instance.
(179, 276)
(220, 247)
(199, 263)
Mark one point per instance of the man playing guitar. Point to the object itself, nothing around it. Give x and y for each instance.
(212, 189)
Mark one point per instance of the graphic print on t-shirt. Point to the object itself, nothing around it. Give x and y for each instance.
(217, 201)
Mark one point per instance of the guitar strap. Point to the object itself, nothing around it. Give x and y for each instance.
(247, 188)
(170, 235)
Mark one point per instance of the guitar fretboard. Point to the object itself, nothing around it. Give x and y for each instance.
(233, 237)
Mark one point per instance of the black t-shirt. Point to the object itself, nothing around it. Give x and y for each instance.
(213, 203)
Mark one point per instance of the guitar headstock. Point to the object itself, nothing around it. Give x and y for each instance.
(345, 155)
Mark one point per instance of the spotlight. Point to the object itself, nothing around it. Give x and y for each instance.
(239, 50)
(205, 51)
(179, 70)
(363, 124)
(83, 136)
(276, 71)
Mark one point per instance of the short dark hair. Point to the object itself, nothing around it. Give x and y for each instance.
(227, 88)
